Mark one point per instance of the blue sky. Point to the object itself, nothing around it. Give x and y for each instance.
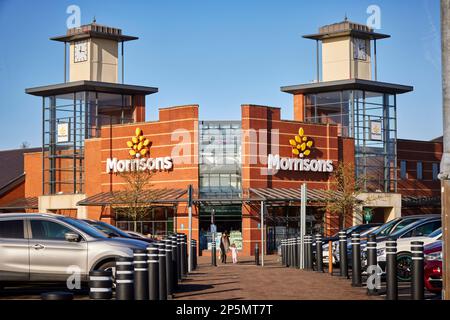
(218, 54)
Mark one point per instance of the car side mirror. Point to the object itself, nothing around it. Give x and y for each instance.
(72, 237)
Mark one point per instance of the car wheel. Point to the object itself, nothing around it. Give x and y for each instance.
(404, 266)
(110, 265)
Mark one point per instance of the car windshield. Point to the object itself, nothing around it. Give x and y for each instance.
(403, 224)
(107, 228)
(366, 232)
(83, 226)
(386, 228)
(435, 233)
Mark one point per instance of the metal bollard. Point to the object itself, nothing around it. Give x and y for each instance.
(309, 252)
(183, 261)
(283, 254)
(372, 260)
(100, 284)
(194, 253)
(356, 260)
(319, 254)
(290, 255)
(186, 256)
(124, 279)
(299, 252)
(162, 271)
(391, 270)
(169, 272)
(179, 256)
(140, 274)
(153, 271)
(296, 255)
(417, 279)
(213, 253)
(174, 261)
(343, 265)
(256, 255)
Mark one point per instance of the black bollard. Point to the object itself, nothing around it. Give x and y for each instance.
(213, 253)
(299, 252)
(417, 279)
(100, 284)
(391, 270)
(174, 261)
(186, 256)
(289, 248)
(282, 252)
(256, 255)
(179, 256)
(169, 272)
(319, 253)
(356, 260)
(183, 256)
(309, 246)
(296, 255)
(124, 278)
(372, 262)
(153, 271)
(343, 265)
(140, 274)
(194, 253)
(162, 271)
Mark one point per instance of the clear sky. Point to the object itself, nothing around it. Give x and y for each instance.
(218, 54)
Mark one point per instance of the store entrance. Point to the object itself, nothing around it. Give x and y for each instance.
(227, 219)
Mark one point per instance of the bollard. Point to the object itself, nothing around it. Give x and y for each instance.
(343, 265)
(309, 252)
(417, 278)
(169, 273)
(153, 272)
(124, 278)
(179, 256)
(296, 253)
(162, 271)
(100, 284)
(140, 274)
(299, 252)
(195, 255)
(192, 253)
(174, 261)
(290, 255)
(391, 270)
(186, 256)
(256, 255)
(372, 260)
(183, 256)
(283, 255)
(213, 253)
(319, 255)
(356, 260)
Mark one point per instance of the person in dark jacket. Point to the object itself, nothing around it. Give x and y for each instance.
(224, 246)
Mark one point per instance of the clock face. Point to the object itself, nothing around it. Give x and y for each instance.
(359, 49)
(80, 51)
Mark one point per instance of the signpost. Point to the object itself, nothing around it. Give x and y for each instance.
(302, 224)
(189, 244)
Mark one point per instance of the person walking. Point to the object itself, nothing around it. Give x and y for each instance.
(224, 247)
(234, 253)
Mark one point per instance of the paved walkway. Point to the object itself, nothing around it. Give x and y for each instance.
(247, 281)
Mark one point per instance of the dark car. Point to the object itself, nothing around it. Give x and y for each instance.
(433, 266)
(113, 231)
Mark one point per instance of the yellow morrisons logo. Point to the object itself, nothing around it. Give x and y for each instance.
(139, 145)
(301, 144)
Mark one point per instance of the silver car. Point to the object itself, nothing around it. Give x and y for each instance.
(50, 247)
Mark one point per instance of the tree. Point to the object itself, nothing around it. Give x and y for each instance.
(133, 200)
(343, 199)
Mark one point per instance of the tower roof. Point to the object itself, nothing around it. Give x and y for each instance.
(93, 30)
(346, 28)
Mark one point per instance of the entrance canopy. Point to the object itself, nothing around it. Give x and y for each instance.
(273, 196)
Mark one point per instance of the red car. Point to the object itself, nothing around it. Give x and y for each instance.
(433, 266)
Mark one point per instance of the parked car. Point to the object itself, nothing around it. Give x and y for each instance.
(136, 235)
(433, 266)
(113, 231)
(48, 247)
(420, 230)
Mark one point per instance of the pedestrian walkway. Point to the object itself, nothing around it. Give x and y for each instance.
(247, 281)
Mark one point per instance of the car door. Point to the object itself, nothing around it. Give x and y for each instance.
(52, 257)
(14, 246)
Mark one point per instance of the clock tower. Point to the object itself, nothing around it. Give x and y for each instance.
(347, 51)
(93, 52)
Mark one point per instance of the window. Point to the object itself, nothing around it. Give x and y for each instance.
(403, 169)
(11, 229)
(48, 230)
(435, 171)
(419, 171)
(423, 230)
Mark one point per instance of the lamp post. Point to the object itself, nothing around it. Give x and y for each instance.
(444, 174)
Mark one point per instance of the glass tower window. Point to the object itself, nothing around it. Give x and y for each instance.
(368, 117)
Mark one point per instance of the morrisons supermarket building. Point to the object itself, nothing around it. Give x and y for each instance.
(95, 139)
